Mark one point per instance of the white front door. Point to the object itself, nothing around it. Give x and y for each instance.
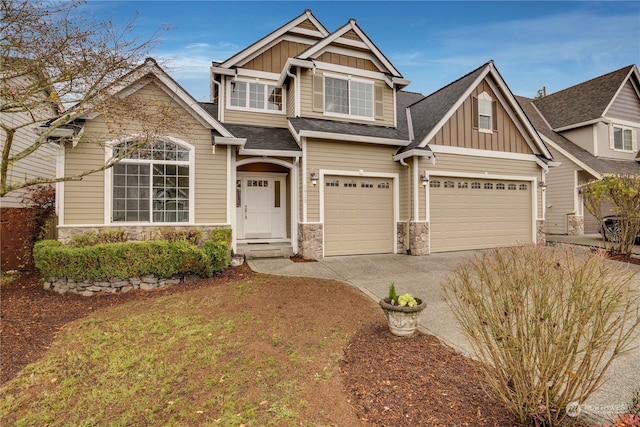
(260, 207)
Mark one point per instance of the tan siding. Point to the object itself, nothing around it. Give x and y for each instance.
(345, 156)
(458, 130)
(582, 137)
(352, 35)
(481, 165)
(307, 25)
(306, 103)
(84, 200)
(560, 193)
(254, 118)
(291, 99)
(273, 59)
(626, 106)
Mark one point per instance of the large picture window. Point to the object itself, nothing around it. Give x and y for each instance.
(348, 97)
(255, 96)
(152, 184)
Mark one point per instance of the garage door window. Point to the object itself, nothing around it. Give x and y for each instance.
(434, 184)
(500, 186)
(524, 187)
(350, 184)
(512, 187)
(476, 185)
(488, 186)
(366, 184)
(384, 184)
(333, 183)
(463, 184)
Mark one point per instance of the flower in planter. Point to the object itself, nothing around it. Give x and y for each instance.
(407, 300)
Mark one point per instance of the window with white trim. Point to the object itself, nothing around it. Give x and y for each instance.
(255, 96)
(152, 184)
(623, 138)
(485, 108)
(347, 96)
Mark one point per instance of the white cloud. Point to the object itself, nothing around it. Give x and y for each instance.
(198, 46)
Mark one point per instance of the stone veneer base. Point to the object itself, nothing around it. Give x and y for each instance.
(90, 287)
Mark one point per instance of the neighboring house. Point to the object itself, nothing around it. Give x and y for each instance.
(592, 130)
(311, 141)
(26, 118)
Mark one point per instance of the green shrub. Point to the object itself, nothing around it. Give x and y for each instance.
(545, 322)
(131, 259)
(91, 238)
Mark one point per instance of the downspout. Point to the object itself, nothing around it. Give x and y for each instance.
(408, 221)
(296, 107)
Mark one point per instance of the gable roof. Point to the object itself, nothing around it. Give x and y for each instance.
(431, 113)
(364, 42)
(596, 166)
(275, 35)
(583, 102)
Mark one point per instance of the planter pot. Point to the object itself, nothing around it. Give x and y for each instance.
(403, 321)
(237, 261)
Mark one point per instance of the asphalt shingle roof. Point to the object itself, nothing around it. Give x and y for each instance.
(337, 127)
(600, 165)
(264, 138)
(582, 102)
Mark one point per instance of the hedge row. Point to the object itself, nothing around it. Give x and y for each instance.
(133, 259)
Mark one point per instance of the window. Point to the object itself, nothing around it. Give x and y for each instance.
(348, 97)
(523, 187)
(255, 96)
(366, 184)
(384, 184)
(475, 185)
(622, 139)
(488, 186)
(449, 184)
(152, 184)
(484, 112)
(512, 186)
(434, 184)
(500, 186)
(350, 184)
(463, 184)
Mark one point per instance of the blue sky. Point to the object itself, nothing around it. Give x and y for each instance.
(533, 44)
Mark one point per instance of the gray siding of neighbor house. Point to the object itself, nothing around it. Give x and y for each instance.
(626, 106)
(561, 193)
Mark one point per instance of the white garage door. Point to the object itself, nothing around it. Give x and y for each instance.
(479, 214)
(358, 215)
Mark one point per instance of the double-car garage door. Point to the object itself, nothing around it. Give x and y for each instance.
(358, 215)
(464, 214)
(479, 213)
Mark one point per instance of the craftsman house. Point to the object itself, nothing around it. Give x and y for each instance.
(592, 130)
(311, 143)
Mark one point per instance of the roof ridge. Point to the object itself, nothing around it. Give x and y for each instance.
(627, 67)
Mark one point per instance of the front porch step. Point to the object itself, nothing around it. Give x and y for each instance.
(264, 250)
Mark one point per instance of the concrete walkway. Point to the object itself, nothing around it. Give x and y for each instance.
(424, 277)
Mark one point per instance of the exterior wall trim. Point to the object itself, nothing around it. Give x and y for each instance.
(475, 152)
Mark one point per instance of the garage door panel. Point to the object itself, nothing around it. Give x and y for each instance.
(483, 216)
(358, 216)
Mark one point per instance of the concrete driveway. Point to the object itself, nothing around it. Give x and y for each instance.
(424, 277)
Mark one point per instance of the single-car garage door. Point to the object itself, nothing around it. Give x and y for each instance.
(479, 213)
(358, 215)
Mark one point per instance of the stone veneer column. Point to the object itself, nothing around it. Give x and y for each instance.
(576, 225)
(401, 228)
(419, 238)
(310, 240)
(540, 233)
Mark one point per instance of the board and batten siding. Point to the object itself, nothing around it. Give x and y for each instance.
(464, 164)
(344, 156)
(273, 59)
(458, 130)
(41, 163)
(561, 193)
(84, 200)
(307, 110)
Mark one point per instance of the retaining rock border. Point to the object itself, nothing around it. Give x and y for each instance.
(89, 287)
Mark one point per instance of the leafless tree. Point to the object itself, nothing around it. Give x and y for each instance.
(54, 55)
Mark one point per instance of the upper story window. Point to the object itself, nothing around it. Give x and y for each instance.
(623, 138)
(347, 96)
(153, 184)
(485, 112)
(255, 96)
